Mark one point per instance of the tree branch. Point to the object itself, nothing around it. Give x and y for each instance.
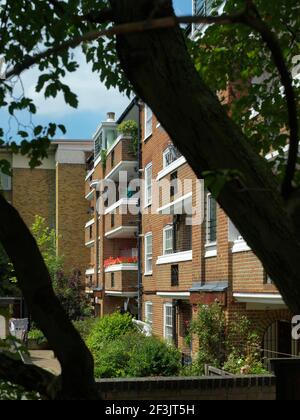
(101, 16)
(125, 28)
(192, 111)
(253, 19)
(31, 377)
(248, 16)
(36, 285)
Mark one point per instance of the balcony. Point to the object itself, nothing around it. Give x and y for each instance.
(121, 156)
(121, 219)
(90, 233)
(121, 277)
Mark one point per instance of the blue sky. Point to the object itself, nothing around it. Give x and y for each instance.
(94, 99)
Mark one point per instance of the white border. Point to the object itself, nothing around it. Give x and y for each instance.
(169, 305)
(121, 229)
(175, 258)
(171, 168)
(240, 246)
(90, 223)
(267, 298)
(122, 267)
(146, 203)
(147, 235)
(174, 203)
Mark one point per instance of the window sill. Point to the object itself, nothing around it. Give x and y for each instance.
(211, 250)
(171, 168)
(175, 258)
(240, 246)
(149, 274)
(146, 206)
(148, 137)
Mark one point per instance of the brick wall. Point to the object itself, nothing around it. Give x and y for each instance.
(197, 389)
(71, 215)
(34, 194)
(242, 270)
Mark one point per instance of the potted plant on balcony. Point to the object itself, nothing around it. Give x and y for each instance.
(130, 128)
(120, 260)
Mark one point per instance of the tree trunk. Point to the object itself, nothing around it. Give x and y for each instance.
(77, 379)
(160, 69)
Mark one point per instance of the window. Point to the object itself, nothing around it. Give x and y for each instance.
(112, 158)
(148, 121)
(149, 313)
(5, 182)
(202, 7)
(233, 233)
(148, 254)
(174, 275)
(91, 231)
(268, 279)
(148, 185)
(170, 155)
(211, 220)
(168, 322)
(174, 184)
(168, 240)
(98, 144)
(112, 280)
(112, 221)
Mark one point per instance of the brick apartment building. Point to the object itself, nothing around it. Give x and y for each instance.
(180, 266)
(54, 191)
(112, 274)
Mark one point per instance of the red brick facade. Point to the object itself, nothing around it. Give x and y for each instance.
(175, 283)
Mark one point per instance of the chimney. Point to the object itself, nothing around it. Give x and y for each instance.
(111, 116)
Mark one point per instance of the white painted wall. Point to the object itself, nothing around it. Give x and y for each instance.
(22, 162)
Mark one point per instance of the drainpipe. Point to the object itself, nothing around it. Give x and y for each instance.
(175, 304)
(140, 281)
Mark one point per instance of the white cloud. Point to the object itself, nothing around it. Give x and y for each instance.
(92, 94)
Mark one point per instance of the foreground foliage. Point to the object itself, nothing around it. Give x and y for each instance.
(234, 347)
(121, 351)
(9, 391)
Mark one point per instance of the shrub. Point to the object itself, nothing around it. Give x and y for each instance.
(234, 347)
(130, 128)
(37, 336)
(12, 392)
(248, 365)
(134, 355)
(109, 328)
(84, 327)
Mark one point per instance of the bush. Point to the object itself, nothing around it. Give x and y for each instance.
(134, 355)
(84, 327)
(234, 347)
(244, 365)
(37, 336)
(109, 328)
(12, 392)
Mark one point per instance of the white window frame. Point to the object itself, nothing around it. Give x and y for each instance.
(168, 337)
(148, 185)
(149, 319)
(233, 233)
(148, 256)
(208, 220)
(234, 236)
(167, 251)
(148, 122)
